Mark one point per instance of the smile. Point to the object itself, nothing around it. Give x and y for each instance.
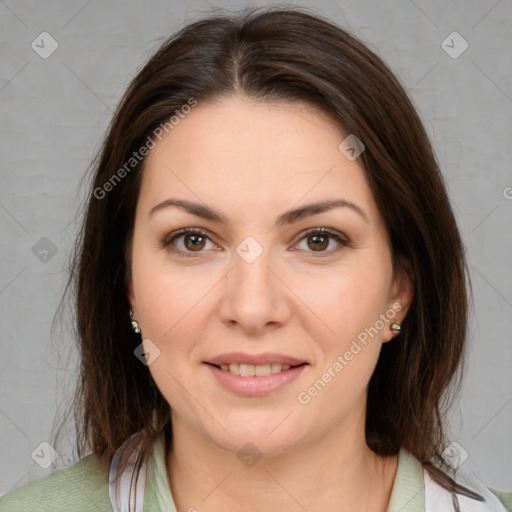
(251, 370)
(254, 380)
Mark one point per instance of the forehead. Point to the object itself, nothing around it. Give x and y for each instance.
(245, 155)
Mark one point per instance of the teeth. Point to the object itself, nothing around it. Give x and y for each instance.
(275, 367)
(250, 370)
(262, 370)
(246, 370)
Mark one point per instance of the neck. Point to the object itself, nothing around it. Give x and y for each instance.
(337, 472)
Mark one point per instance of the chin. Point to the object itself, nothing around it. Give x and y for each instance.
(266, 434)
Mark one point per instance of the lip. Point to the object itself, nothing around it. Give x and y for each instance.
(255, 359)
(255, 386)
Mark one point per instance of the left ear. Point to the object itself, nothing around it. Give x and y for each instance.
(400, 297)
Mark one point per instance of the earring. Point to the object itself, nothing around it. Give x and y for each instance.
(135, 325)
(396, 328)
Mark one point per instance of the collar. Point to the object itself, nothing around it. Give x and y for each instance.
(158, 493)
(408, 488)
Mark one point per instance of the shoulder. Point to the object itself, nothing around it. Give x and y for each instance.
(438, 498)
(415, 490)
(505, 498)
(81, 487)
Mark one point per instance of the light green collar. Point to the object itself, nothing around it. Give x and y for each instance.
(158, 493)
(408, 493)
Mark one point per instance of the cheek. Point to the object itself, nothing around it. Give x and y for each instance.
(174, 307)
(348, 351)
(169, 298)
(345, 303)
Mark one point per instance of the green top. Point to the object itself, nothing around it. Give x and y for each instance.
(83, 487)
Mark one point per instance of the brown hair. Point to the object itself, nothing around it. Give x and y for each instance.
(290, 55)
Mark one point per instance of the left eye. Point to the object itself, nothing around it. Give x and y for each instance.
(318, 240)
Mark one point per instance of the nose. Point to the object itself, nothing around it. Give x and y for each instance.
(254, 297)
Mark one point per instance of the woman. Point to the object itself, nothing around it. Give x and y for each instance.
(270, 287)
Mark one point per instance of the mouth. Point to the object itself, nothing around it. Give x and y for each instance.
(251, 370)
(255, 380)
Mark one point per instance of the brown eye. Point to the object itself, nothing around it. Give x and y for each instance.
(188, 241)
(322, 241)
(318, 242)
(194, 242)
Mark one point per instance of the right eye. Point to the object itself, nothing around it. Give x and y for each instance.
(187, 241)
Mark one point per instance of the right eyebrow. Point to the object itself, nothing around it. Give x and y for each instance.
(206, 212)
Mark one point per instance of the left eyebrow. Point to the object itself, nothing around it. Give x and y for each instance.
(311, 209)
(289, 217)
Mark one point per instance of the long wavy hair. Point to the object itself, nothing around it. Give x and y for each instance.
(269, 55)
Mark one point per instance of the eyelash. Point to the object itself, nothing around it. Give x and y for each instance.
(168, 240)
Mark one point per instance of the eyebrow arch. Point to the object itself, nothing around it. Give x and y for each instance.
(289, 217)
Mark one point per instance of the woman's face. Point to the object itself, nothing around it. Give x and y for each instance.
(253, 281)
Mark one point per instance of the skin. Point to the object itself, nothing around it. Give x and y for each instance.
(252, 161)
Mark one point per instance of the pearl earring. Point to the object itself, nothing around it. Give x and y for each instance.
(135, 324)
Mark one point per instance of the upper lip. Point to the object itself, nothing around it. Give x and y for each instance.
(257, 359)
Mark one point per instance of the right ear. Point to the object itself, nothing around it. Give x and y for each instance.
(131, 298)
(129, 288)
(128, 274)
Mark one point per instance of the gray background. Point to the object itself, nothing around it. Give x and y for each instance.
(54, 112)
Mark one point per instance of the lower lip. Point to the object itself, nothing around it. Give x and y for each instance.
(256, 386)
